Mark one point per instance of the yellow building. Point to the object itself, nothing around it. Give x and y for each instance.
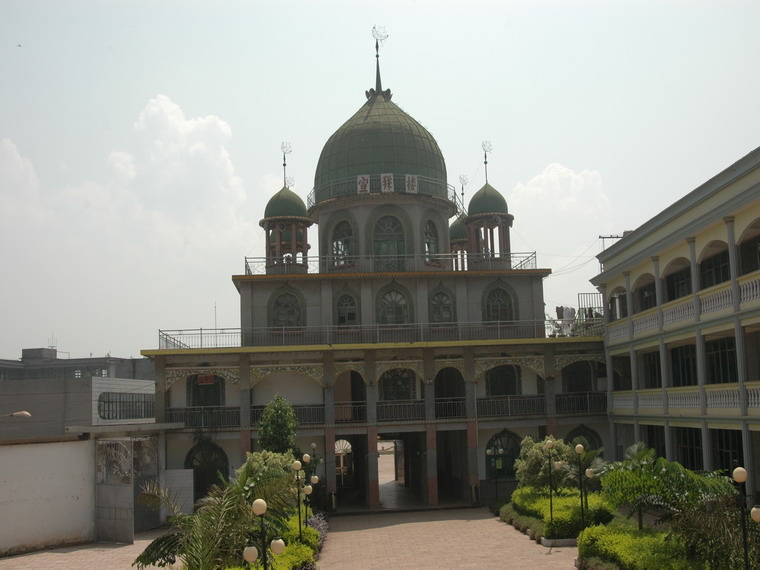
(682, 313)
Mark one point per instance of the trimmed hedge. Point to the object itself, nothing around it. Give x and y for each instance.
(633, 549)
(522, 523)
(566, 522)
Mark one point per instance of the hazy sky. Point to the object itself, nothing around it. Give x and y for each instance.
(140, 140)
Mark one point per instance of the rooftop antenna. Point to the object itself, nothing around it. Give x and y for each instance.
(380, 35)
(487, 147)
(286, 149)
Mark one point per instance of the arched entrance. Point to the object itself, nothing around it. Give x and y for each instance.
(208, 461)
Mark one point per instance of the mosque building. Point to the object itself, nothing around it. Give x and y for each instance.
(383, 309)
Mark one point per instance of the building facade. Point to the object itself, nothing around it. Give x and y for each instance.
(404, 317)
(682, 311)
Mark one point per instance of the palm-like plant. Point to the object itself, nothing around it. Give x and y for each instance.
(223, 523)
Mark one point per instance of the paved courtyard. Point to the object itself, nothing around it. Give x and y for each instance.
(452, 538)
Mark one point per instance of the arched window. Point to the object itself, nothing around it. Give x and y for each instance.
(441, 308)
(431, 241)
(347, 311)
(503, 381)
(397, 384)
(581, 376)
(588, 437)
(499, 306)
(389, 244)
(342, 244)
(501, 451)
(208, 461)
(394, 308)
(286, 311)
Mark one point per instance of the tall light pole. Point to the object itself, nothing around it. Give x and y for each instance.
(740, 478)
(277, 546)
(297, 468)
(579, 451)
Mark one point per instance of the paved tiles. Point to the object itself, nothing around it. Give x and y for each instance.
(451, 538)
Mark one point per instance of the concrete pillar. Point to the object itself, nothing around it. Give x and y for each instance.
(472, 424)
(550, 391)
(733, 261)
(245, 406)
(162, 400)
(695, 281)
(707, 457)
(373, 486)
(431, 467)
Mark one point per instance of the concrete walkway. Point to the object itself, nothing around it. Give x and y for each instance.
(451, 538)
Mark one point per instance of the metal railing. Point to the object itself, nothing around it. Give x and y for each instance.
(501, 406)
(401, 410)
(183, 339)
(306, 415)
(581, 402)
(351, 411)
(450, 408)
(205, 416)
(516, 261)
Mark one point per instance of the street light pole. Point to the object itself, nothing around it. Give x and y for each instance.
(579, 450)
(550, 446)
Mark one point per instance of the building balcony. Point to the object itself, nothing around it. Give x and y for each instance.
(343, 264)
(581, 403)
(184, 339)
(400, 410)
(306, 415)
(205, 416)
(507, 406)
(450, 408)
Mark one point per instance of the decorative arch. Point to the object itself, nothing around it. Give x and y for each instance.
(504, 380)
(749, 247)
(593, 440)
(395, 212)
(505, 448)
(644, 294)
(347, 307)
(617, 303)
(449, 383)
(286, 308)
(499, 303)
(581, 376)
(433, 242)
(393, 304)
(456, 364)
(313, 371)
(397, 384)
(442, 306)
(208, 461)
(175, 375)
(327, 230)
(677, 279)
(714, 264)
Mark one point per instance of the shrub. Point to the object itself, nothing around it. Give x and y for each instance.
(633, 549)
(522, 522)
(319, 523)
(309, 535)
(566, 522)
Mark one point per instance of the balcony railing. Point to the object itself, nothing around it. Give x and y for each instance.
(450, 408)
(392, 263)
(350, 411)
(502, 406)
(358, 334)
(401, 410)
(205, 416)
(307, 415)
(581, 402)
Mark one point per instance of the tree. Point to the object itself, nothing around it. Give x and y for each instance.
(642, 482)
(277, 426)
(532, 465)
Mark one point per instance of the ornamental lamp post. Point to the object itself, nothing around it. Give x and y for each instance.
(297, 468)
(740, 479)
(579, 451)
(589, 475)
(277, 546)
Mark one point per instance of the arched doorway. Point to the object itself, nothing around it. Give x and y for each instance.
(208, 461)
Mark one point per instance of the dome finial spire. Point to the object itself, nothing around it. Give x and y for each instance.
(380, 36)
(286, 149)
(487, 147)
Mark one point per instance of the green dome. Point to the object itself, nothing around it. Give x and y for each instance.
(380, 138)
(457, 230)
(487, 200)
(285, 203)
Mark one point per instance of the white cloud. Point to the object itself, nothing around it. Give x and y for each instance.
(103, 264)
(560, 213)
